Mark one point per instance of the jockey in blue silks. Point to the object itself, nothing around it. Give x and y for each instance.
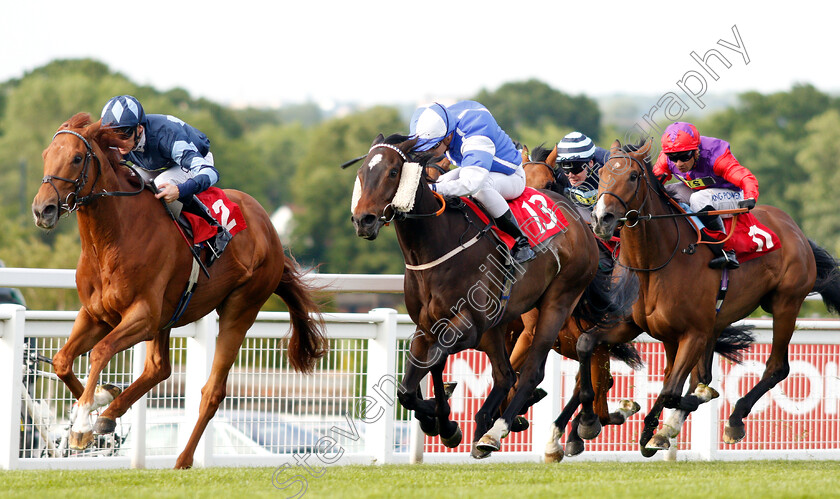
(176, 154)
(489, 165)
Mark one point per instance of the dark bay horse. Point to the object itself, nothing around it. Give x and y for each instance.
(133, 269)
(678, 291)
(453, 289)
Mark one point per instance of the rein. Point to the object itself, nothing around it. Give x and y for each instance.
(81, 180)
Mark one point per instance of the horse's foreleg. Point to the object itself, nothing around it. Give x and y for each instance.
(423, 354)
(134, 327)
(589, 423)
(690, 351)
(554, 448)
(86, 333)
(776, 369)
(550, 320)
(450, 432)
(156, 369)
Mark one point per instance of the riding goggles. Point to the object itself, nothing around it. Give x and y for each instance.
(573, 167)
(683, 156)
(126, 132)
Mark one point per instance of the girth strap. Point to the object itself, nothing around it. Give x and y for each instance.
(185, 297)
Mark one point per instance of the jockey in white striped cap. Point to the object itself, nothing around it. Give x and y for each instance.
(490, 166)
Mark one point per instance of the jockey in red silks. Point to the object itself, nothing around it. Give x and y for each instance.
(712, 179)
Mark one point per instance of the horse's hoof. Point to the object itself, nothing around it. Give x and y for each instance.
(454, 440)
(431, 429)
(104, 426)
(554, 457)
(630, 406)
(105, 394)
(519, 424)
(658, 442)
(589, 431)
(78, 440)
(183, 464)
(477, 453)
(646, 452)
(574, 448)
(706, 391)
(449, 388)
(733, 434)
(488, 444)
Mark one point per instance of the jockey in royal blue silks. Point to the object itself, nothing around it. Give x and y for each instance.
(176, 154)
(711, 178)
(489, 165)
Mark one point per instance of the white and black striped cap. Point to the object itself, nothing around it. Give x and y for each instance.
(575, 147)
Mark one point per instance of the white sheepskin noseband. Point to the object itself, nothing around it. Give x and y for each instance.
(409, 181)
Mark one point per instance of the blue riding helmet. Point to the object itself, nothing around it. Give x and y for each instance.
(431, 125)
(122, 111)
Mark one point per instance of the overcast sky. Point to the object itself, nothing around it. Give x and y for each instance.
(275, 52)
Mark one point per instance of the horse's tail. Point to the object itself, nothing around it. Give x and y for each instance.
(828, 278)
(607, 300)
(628, 354)
(308, 343)
(732, 342)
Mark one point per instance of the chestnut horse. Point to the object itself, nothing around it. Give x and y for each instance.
(452, 289)
(678, 291)
(133, 269)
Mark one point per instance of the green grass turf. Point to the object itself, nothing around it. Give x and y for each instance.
(649, 480)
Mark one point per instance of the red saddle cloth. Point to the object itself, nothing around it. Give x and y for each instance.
(536, 213)
(751, 238)
(225, 211)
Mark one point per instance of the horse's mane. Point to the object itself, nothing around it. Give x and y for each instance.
(540, 154)
(654, 182)
(396, 138)
(78, 120)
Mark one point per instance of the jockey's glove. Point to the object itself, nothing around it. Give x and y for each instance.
(748, 203)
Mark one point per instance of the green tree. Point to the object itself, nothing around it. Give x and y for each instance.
(322, 193)
(530, 104)
(819, 159)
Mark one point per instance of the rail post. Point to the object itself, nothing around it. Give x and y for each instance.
(12, 321)
(201, 347)
(377, 409)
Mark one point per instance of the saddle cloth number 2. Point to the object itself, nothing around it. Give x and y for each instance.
(220, 209)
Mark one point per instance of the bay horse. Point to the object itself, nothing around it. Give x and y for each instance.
(133, 269)
(678, 290)
(453, 281)
(540, 174)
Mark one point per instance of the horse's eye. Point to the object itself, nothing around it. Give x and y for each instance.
(634, 176)
(77, 159)
(393, 173)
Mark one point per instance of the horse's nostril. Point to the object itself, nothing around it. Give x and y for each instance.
(368, 220)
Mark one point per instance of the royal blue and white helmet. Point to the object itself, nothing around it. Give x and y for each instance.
(431, 125)
(122, 111)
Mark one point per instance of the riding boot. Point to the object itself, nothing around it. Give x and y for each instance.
(722, 257)
(521, 251)
(223, 236)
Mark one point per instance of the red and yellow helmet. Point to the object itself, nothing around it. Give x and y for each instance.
(680, 136)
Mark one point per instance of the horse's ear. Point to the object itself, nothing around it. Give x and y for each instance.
(408, 145)
(552, 157)
(378, 140)
(615, 148)
(644, 150)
